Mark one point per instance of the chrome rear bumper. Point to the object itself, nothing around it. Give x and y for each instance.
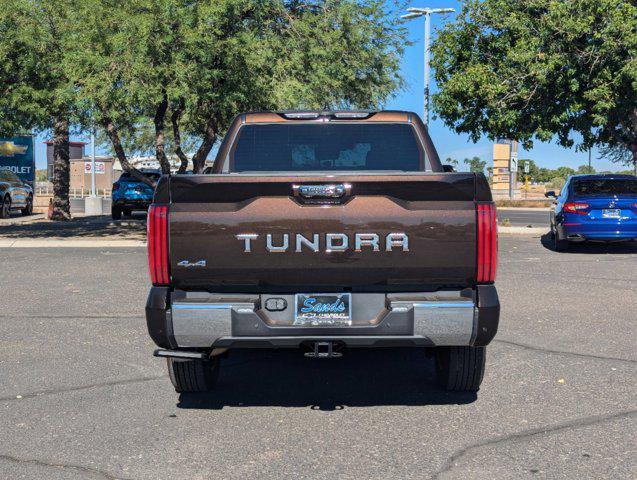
(200, 320)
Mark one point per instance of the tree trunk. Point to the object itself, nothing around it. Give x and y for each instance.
(199, 158)
(61, 169)
(113, 135)
(160, 151)
(177, 138)
(635, 160)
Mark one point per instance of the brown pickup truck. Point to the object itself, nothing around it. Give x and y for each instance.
(323, 230)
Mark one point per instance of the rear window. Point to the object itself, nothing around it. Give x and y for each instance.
(326, 147)
(605, 186)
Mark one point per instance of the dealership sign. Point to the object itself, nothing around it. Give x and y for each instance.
(100, 167)
(17, 154)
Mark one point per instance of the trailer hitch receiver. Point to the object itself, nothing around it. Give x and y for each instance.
(323, 350)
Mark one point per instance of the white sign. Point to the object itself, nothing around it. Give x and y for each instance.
(100, 167)
(527, 167)
(513, 166)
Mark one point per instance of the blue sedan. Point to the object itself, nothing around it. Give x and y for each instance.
(596, 208)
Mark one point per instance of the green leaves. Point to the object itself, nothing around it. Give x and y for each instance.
(115, 61)
(540, 69)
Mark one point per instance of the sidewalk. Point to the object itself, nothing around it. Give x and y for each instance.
(99, 231)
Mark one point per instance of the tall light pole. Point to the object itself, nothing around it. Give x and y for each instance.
(426, 12)
(93, 203)
(93, 162)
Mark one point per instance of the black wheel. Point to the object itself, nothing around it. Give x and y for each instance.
(28, 210)
(189, 376)
(116, 213)
(559, 244)
(460, 369)
(5, 207)
(127, 212)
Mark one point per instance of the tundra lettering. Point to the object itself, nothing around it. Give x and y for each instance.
(333, 242)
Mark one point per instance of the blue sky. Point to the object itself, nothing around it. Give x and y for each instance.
(448, 143)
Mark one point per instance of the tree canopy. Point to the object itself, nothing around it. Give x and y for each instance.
(36, 92)
(188, 67)
(541, 69)
(475, 164)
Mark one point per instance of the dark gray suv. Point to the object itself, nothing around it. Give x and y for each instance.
(14, 194)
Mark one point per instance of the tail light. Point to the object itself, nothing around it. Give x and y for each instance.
(487, 257)
(576, 207)
(157, 225)
(115, 186)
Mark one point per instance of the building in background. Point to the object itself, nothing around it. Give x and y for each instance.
(105, 175)
(505, 161)
(76, 152)
(106, 170)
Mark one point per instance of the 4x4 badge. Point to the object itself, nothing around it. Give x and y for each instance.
(188, 264)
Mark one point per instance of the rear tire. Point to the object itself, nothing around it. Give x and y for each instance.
(5, 207)
(191, 376)
(559, 244)
(28, 210)
(127, 212)
(116, 213)
(460, 369)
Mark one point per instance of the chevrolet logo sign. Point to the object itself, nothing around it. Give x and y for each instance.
(10, 149)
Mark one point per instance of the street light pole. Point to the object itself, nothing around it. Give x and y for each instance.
(93, 163)
(427, 41)
(93, 203)
(426, 12)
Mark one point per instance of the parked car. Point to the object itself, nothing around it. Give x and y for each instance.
(594, 208)
(130, 194)
(323, 231)
(14, 194)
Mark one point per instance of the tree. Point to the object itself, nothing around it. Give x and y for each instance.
(618, 154)
(475, 164)
(533, 170)
(451, 161)
(585, 169)
(538, 69)
(35, 90)
(189, 67)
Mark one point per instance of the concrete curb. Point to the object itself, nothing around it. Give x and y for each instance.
(522, 230)
(68, 243)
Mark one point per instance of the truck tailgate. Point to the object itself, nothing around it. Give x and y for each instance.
(435, 212)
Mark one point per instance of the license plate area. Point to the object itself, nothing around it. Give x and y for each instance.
(611, 213)
(323, 309)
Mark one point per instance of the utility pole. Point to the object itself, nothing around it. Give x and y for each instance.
(93, 203)
(93, 163)
(426, 12)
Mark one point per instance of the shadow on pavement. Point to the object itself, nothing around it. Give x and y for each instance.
(361, 378)
(592, 247)
(133, 227)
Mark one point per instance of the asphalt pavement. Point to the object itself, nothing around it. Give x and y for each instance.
(83, 398)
